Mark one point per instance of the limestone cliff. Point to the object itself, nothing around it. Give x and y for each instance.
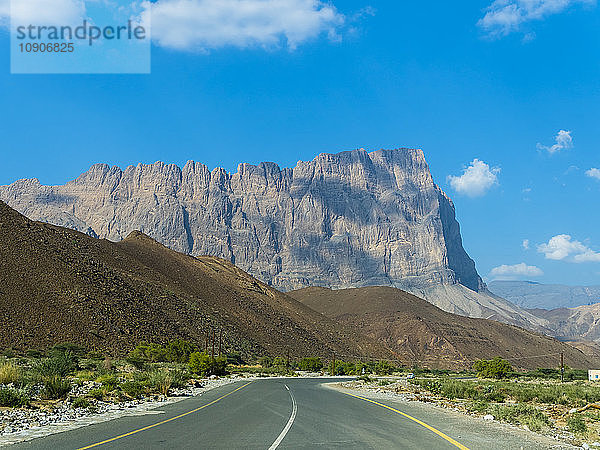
(341, 220)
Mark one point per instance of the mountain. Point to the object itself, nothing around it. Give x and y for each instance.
(580, 323)
(531, 295)
(424, 335)
(59, 285)
(342, 220)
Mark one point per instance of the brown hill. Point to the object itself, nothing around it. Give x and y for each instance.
(424, 335)
(59, 285)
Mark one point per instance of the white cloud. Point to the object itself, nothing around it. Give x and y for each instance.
(506, 16)
(202, 25)
(42, 12)
(564, 248)
(593, 173)
(476, 179)
(525, 244)
(563, 140)
(516, 271)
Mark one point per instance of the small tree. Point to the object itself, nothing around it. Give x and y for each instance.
(495, 368)
(310, 364)
(203, 364)
(179, 351)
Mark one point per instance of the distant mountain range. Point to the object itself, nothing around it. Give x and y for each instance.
(59, 285)
(342, 220)
(532, 295)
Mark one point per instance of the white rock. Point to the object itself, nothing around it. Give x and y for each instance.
(488, 417)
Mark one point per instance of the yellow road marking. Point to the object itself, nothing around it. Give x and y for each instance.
(429, 427)
(163, 422)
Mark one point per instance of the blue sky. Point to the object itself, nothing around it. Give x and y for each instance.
(461, 80)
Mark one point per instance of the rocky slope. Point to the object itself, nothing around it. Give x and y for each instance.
(581, 323)
(59, 285)
(529, 294)
(424, 335)
(341, 220)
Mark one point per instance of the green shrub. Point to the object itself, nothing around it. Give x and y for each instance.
(9, 373)
(61, 364)
(384, 368)
(80, 402)
(13, 398)
(34, 353)
(145, 352)
(203, 364)
(521, 414)
(265, 361)
(576, 424)
(55, 388)
(161, 381)
(108, 381)
(134, 389)
(495, 368)
(97, 394)
(310, 364)
(479, 406)
(179, 351)
(364, 378)
(9, 352)
(76, 351)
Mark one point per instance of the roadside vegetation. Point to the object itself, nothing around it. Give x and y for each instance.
(535, 399)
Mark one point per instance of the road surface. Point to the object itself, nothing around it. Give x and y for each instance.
(287, 414)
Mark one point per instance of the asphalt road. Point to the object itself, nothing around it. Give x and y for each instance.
(284, 414)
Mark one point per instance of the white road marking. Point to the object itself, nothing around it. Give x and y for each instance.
(289, 423)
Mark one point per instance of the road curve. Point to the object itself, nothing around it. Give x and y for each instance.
(275, 414)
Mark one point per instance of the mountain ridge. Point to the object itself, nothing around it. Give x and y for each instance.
(60, 285)
(341, 220)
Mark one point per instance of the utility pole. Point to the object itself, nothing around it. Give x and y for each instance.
(220, 341)
(212, 353)
(562, 367)
(333, 366)
(287, 361)
(206, 346)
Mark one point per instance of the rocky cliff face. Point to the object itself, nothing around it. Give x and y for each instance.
(341, 220)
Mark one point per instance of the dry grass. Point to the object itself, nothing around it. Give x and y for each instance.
(9, 373)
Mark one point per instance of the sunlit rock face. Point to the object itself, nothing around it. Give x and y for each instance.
(341, 220)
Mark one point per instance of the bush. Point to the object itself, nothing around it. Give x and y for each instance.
(576, 424)
(310, 364)
(179, 351)
(80, 402)
(384, 368)
(9, 352)
(161, 381)
(97, 394)
(9, 373)
(203, 364)
(61, 364)
(13, 398)
(497, 368)
(34, 353)
(521, 414)
(364, 378)
(134, 389)
(76, 351)
(148, 353)
(265, 361)
(109, 381)
(56, 388)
